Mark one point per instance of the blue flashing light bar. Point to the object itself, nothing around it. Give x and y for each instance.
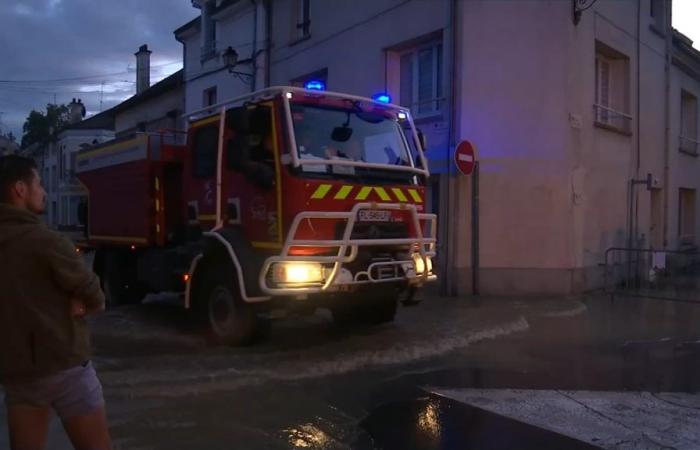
(315, 85)
(382, 98)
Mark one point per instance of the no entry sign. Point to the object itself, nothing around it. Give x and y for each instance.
(465, 157)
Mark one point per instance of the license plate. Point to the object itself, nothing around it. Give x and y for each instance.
(374, 215)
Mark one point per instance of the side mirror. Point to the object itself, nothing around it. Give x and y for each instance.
(423, 140)
(341, 134)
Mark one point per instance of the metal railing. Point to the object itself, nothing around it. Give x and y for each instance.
(424, 245)
(648, 273)
(613, 118)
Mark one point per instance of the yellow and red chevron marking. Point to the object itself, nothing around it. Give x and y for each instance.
(361, 193)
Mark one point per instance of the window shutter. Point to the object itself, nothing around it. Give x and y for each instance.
(407, 80)
(425, 79)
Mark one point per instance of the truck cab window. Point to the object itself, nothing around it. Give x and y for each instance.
(252, 145)
(205, 152)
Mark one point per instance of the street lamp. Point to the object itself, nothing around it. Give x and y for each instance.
(230, 60)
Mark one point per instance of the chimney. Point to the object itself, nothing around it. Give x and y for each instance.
(143, 69)
(76, 111)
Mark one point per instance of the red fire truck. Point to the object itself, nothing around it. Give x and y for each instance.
(286, 198)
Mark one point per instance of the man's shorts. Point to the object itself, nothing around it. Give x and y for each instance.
(73, 392)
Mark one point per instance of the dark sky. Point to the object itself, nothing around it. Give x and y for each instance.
(93, 40)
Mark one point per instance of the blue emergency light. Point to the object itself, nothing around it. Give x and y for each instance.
(315, 85)
(382, 98)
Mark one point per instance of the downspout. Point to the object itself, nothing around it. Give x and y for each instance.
(255, 45)
(449, 286)
(268, 39)
(639, 119)
(667, 119)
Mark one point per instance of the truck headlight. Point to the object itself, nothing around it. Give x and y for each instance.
(297, 272)
(421, 264)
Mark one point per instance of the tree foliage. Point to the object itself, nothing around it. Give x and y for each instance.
(39, 125)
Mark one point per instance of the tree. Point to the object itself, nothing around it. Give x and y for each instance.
(39, 125)
(9, 136)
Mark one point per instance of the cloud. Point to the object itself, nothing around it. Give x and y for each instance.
(59, 39)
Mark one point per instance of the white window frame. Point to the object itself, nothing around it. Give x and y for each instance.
(435, 100)
(606, 111)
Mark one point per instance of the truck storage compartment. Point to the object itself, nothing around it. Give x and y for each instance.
(134, 189)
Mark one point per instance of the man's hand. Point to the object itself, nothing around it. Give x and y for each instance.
(77, 309)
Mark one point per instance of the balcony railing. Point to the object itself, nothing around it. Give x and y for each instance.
(611, 118)
(688, 145)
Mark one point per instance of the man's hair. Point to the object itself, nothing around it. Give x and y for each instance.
(14, 168)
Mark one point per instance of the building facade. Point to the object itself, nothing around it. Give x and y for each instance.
(572, 111)
(58, 163)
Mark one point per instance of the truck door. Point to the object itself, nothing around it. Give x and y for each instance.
(200, 173)
(251, 192)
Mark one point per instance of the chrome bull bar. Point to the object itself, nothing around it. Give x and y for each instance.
(348, 250)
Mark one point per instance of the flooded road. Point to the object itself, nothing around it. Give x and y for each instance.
(450, 373)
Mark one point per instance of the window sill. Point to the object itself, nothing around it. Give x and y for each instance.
(430, 117)
(299, 40)
(688, 152)
(612, 128)
(656, 30)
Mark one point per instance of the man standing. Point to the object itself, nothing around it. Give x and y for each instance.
(45, 292)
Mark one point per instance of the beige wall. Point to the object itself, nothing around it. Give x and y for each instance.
(554, 186)
(153, 112)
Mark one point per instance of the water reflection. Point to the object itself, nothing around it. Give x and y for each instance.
(429, 420)
(307, 436)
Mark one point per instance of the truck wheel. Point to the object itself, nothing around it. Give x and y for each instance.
(119, 281)
(229, 320)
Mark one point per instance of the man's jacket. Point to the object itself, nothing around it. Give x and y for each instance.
(40, 275)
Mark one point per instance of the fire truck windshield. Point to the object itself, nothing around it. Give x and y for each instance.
(336, 135)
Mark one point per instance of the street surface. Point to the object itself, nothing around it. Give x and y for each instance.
(449, 373)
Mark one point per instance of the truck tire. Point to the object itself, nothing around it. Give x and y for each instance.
(228, 319)
(119, 280)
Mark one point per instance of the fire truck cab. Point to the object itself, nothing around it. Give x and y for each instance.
(286, 198)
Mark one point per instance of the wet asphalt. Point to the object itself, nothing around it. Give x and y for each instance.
(308, 384)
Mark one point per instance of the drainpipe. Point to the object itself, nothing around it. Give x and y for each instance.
(639, 119)
(255, 45)
(667, 119)
(449, 287)
(268, 39)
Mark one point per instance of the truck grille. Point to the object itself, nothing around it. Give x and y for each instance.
(374, 231)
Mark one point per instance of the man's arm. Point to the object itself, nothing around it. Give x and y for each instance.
(72, 276)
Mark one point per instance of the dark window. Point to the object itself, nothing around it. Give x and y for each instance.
(304, 18)
(205, 151)
(209, 96)
(658, 13)
(254, 145)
